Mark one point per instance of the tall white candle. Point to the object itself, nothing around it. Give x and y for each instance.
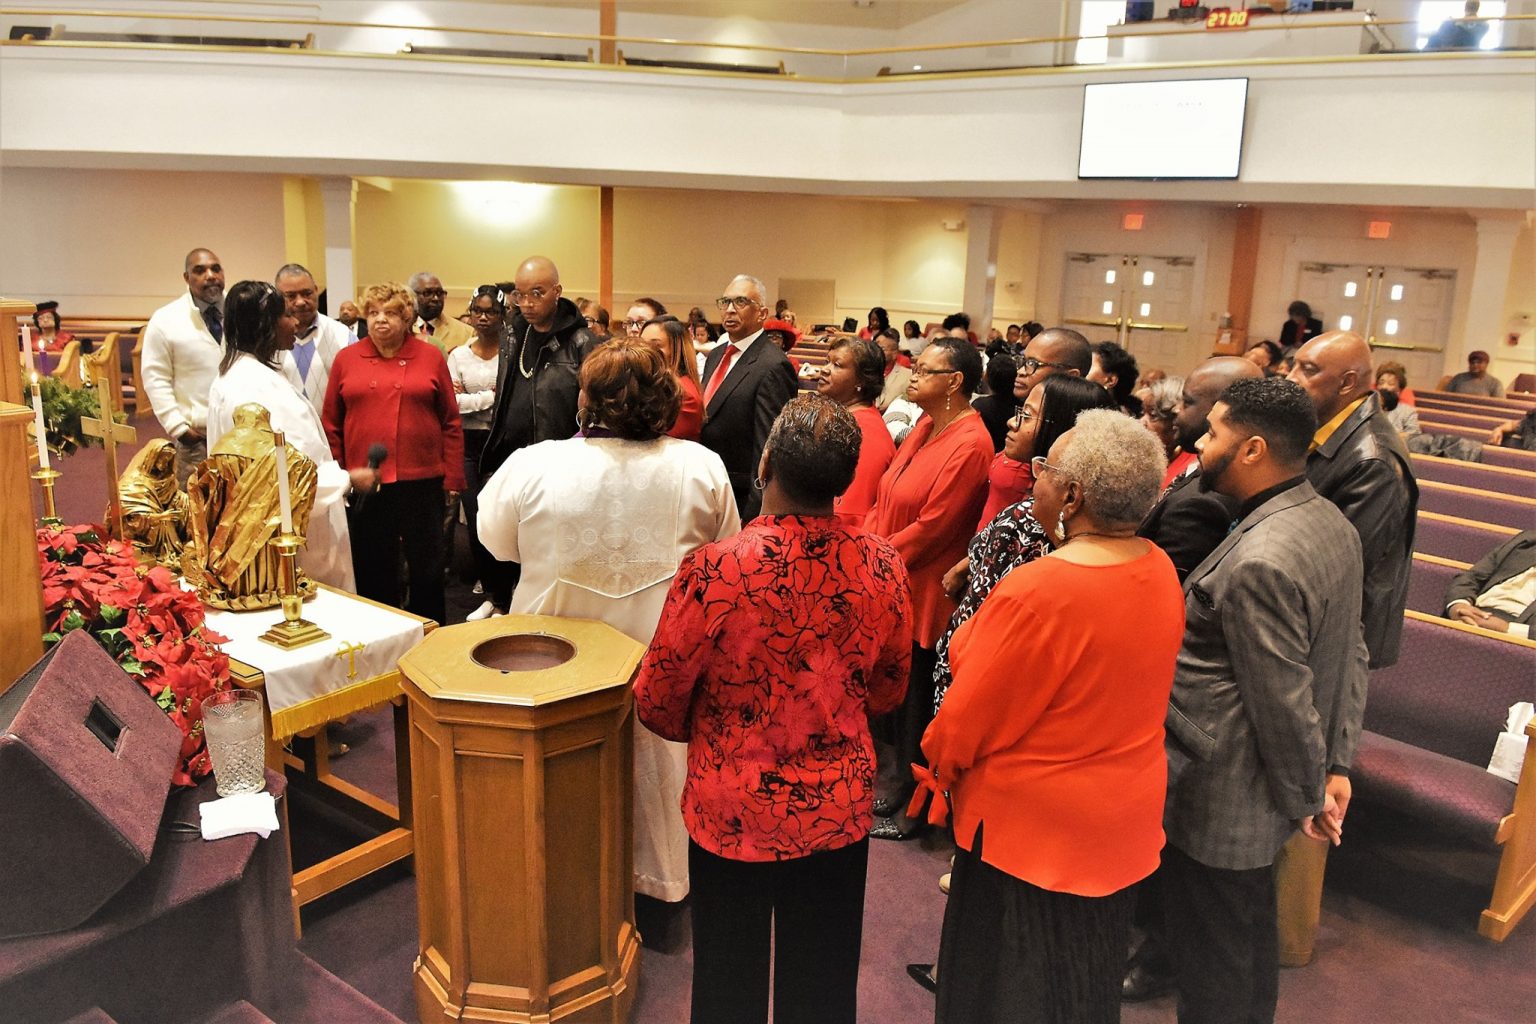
(37, 421)
(284, 502)
(26, 346)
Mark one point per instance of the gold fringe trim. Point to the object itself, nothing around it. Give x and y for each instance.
(328, 707)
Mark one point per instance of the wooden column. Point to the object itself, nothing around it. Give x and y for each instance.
(607, 25)
(605, 247)
(21, 617)
(1245, 268)
(12, 312)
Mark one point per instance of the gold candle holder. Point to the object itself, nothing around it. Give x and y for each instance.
(294, 630)
(47, 477)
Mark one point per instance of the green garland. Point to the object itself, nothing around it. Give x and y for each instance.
(63, 409)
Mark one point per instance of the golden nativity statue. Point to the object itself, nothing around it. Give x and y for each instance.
(154, 508)
(234, 514)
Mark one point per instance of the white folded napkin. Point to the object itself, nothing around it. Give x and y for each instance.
(238, 814)
(1509, 750)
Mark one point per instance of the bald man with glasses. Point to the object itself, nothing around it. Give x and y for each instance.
(746, 383)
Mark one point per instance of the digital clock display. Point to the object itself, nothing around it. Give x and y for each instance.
(1224, 17)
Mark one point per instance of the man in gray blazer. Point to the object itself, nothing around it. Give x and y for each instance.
(1269, 691)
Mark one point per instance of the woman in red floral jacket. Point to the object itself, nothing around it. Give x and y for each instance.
(773, 649)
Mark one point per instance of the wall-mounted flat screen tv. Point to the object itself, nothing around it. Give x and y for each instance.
(1159, 130)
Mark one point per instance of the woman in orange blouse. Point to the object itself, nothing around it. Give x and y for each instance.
(853, 376)
(1049, 744)
(926, 507)
(670, 334)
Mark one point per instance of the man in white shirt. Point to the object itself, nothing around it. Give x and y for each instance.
(182, 349)
(431, 325)
(308, 364)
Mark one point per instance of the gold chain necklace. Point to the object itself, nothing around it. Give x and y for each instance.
(527, 371)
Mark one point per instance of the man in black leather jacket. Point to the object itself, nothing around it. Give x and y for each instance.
(1359, 463)
(542, 346)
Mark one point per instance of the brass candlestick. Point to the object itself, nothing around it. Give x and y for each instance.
(294, 630)
(47, 477)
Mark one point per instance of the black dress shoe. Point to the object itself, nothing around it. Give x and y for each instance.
(923, 975)
(886, 828)
(1141, 984)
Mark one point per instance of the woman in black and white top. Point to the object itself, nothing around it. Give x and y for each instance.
(473, 368)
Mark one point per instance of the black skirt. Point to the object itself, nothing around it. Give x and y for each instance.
(1015, 952)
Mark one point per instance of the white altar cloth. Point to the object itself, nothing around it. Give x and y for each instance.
(297, 680)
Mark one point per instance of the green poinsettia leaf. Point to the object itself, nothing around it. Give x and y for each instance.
(112, 616)
(49, 639)
(133, 666)
(73, 621)
(166, 700)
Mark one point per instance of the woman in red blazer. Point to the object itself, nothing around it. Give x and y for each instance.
(853, 376)
(927, 506)
(393, 389)
(1049, 744)
(773, 649)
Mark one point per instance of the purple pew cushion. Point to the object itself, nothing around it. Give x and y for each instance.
(1426, 586)
(1453, 540)
(1503, 511)
(1448, 796)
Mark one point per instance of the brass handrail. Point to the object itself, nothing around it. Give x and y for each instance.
(1261, 25)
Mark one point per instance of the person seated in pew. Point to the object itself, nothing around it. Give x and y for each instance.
(50, 336)
(1521, 430)
(1499, 592)
(1476, 380)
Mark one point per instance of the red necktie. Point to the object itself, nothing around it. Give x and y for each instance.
(720, 372)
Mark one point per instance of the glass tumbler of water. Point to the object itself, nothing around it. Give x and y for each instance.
(237, 741)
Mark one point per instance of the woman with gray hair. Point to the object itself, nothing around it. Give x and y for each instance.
(1049, 744)
(1160, 402)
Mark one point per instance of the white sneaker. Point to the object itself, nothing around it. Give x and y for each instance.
(483, 612)
(477, 589)
(497, 614)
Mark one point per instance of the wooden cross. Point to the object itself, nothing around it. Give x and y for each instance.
(112, 434)
(349, 651)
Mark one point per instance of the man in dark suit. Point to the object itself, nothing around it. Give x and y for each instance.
(745, 386)
(1300, 326)
(1270, 677)
(1359, 463)
(1499, 592)
(1187, 522)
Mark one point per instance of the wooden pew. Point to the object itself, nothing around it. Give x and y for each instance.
(1430, 726)
(1477, 504)
(1503, 479)
(1428, 579)
(68, 368)
(1432, 399)
(1466, 540)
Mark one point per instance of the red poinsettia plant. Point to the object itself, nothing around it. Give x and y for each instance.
(144, 619)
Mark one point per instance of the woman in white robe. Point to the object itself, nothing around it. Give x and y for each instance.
(600, 523)
(257, 329)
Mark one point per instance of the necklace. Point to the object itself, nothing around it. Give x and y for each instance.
(1095, 533)
(527, 370)
(958, 416)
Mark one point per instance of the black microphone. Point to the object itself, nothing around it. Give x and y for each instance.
(377, 453)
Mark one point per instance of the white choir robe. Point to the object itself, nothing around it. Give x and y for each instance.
(600, 526)
(327, 553)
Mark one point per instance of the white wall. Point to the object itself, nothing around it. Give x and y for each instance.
(113, 243)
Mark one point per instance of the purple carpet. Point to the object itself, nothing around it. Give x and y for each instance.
(1398, 941)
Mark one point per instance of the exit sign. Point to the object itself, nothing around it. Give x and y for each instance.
(1223, 17)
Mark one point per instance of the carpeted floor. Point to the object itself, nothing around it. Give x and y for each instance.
(1398, 941)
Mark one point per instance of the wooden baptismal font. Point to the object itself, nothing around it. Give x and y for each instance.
(521, 736)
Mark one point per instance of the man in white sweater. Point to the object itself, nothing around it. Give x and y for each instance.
(319, 338)
(181, 358)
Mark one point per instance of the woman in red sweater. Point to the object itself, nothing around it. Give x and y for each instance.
(773, 649)
(1049, 744)
(853, 376)
(927, 506)
(393, 389)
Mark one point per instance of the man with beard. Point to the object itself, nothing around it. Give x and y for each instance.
(1273, 657)
(182, 348)
(1187, 522)
(542, 346)
(431, 325)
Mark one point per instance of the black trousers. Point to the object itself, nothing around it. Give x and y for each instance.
(402, 517)
(485, 564)
(1013, 952)
(1221, 934)
(809, 911)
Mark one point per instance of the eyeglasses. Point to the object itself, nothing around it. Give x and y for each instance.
(1021, 416)
(591, 321)
(492, 312)
(532, 295)
(918, 371)
(431, 293)
(734, 302)
(1038, 465)
(1031, 365)
(635, 323)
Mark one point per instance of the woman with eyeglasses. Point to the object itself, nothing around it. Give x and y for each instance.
(1049, 745)
(641, 312)
(927, 505)
(473, 369)
(853, 376)
(670, 336)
